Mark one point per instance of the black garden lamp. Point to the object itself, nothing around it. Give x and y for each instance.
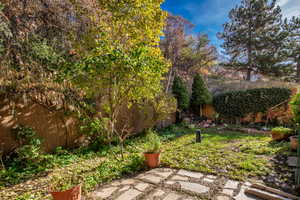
(198, 136)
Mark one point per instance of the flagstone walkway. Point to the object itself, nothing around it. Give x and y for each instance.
(170, 184)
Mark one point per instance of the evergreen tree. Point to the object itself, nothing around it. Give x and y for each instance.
(180, 92)
(200, 94)
(253, 37)
(292, 45)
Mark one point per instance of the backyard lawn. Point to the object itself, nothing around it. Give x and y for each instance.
(232, 154)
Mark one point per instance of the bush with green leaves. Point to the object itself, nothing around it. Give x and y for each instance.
(153, 142)
(237, 104)
(200, 93)
(282, 130)
(29, 149)
(180, 92)
(295, 105)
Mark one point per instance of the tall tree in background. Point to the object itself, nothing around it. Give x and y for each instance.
(292, 45)
(181, 94)
(200, 94)
(187, 53)
(173, 42)
(197, 54)
(253, 37)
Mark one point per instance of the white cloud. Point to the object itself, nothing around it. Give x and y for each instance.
(289, 7)
(282, 2)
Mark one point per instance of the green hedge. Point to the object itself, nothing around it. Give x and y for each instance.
(240, 103)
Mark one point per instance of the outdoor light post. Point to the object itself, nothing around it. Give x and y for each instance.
(198, 136)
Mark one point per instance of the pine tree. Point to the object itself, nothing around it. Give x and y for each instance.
(180, 92)
(253, 37)
(292, 45)
(200, 94)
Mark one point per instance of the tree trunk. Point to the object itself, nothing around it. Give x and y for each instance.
(298, 72)
(169, 80)
(248, 78)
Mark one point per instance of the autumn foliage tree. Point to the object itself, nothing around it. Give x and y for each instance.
(126, 66)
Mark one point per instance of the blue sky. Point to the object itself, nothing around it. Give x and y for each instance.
(209, 15)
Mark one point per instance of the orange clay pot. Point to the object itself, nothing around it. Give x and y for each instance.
(279, 136)
(152, 159)
(71, 194)
(294, 142)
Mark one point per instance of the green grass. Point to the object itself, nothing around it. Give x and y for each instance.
(232, 154)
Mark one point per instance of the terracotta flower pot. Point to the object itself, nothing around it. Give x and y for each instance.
(278, 136)
(294, 142)
(152, 159)
(71, 194)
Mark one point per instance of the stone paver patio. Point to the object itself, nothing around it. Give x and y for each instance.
(170, 184)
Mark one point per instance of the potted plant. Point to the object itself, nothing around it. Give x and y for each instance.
(294, 142)
(281, 133)
(152, 153)
(63, 189)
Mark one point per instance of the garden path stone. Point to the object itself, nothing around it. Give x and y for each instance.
(142, 186)
(106, 192)
(180, 178)
(228, 192)
(194, 187)
(151, 178)
(129, 195)
(208, 180)
(163, 172)
(231, 184)
(172, 196)
(243, 196)
(190, 173)
(292, 161)
(170, 184)
(222, 197)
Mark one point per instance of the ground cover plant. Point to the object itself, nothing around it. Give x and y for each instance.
(232, 154)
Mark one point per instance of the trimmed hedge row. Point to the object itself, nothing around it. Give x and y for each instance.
(240, 103)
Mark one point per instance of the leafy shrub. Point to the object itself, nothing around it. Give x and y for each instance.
(180, 92)
(282, 130)
(153, 142)
(29, 149)
(295, 103)
(237, 104)
(200, 93)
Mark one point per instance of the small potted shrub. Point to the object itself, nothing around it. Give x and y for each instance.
(281, 133)
(152, 153)
(62, 189)
(294, 142)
